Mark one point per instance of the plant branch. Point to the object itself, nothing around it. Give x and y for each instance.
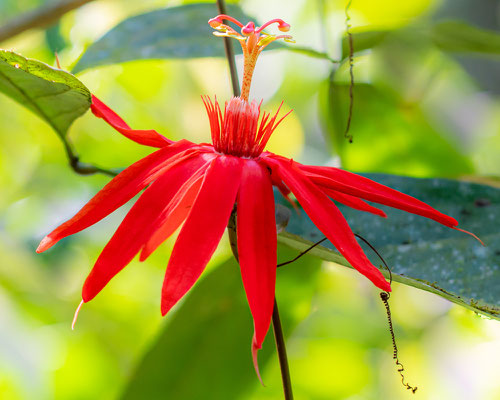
(281, 348)
(39, 18)
(277, 329)
(79, 167)
(302, 253)
(233, 236)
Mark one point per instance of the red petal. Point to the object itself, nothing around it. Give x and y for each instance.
(137, 226)
(176, 212)
(146, 137)
(256, 228)
(359, 186)
(353, 202)
(116, 193)
(202, 230)
(329, 220)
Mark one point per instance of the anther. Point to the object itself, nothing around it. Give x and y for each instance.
(216, 21)
(284, 27)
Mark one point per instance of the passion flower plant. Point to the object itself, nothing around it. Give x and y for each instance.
(196, 186)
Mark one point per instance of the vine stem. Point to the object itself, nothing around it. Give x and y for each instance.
(282, 357)
(39, 18)
(233, 237)
(277, 328)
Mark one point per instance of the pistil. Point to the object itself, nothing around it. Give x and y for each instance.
(252, 40)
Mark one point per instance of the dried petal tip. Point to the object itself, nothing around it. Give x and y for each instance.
(75, 317)
(45, 244)
(255, 350)
(469, 233)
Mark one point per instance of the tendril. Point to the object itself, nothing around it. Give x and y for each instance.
(347, 135)
(302, 253)
(385, 299)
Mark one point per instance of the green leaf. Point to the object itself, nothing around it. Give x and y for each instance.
(56, 96)
(457, 36)
(421, 252)
(54, 39)
(211, 330)
(175, 32)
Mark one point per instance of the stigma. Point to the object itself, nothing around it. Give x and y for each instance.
(252, 39)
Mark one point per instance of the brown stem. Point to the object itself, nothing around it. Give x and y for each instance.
(278, 330)
(79, 167)
(233, 236)
(281, 348)
(228, 46)
(39, 18)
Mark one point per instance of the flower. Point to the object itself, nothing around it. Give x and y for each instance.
(197, 186)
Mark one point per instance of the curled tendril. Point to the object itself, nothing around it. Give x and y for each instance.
(385, 299)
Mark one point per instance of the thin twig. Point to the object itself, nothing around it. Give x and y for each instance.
(228, 46)
(79, 167)
(41, 17)
(74, 160)
(377, 253)
(233, 236)
(281, 348)
(302, 253)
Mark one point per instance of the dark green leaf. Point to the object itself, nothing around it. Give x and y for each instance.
(175, 32)
(422, 253)
(54, 38)
(56, 96)
(456, 36)
(204, 350)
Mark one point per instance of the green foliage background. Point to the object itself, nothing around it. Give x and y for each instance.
(426, 105)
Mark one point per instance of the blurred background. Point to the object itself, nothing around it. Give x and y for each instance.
(424, 107)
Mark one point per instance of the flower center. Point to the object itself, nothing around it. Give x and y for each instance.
(240, 131)
(252, 39)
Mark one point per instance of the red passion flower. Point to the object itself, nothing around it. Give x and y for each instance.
(197, 185)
